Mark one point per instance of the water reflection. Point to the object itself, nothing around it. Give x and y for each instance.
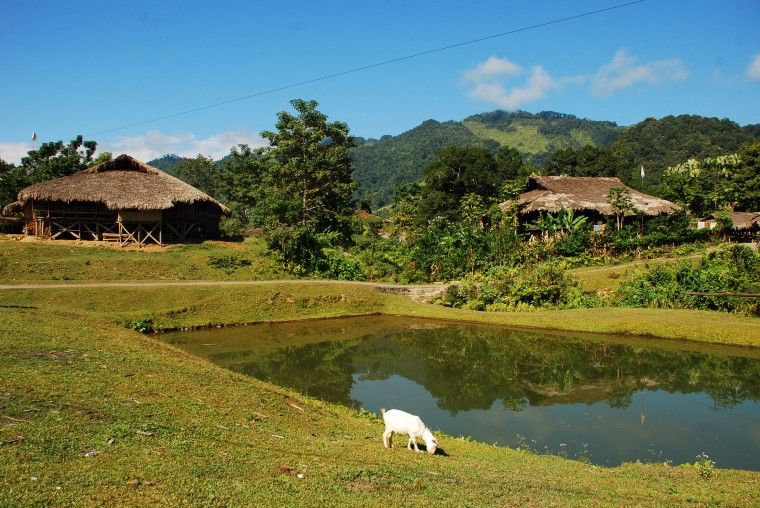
(514, 387)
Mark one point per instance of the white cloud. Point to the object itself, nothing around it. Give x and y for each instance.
(753, 69)
(623, 72)
(12, 152)
(492, 68)
(155, 144)
(539, 82)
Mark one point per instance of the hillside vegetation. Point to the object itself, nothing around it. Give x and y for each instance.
(382, 165)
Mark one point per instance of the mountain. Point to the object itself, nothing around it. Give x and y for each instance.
(671, 140)
(166, 163)
(382, 165)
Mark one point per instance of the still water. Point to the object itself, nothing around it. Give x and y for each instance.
(605, 399)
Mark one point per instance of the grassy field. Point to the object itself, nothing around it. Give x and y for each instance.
(26, 259)
(606, 279)
(92, 413)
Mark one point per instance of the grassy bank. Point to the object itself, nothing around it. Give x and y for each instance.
(193, 306)
(92, 413)
(26, 259)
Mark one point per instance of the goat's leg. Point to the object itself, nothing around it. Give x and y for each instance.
(388, 439)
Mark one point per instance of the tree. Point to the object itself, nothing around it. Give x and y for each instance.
(313, 170)
(619, 199)
(715, 183)
(55, 159)
(200, 172)
(455, 172)
(12, 180)
(242, 181)
(101, 158)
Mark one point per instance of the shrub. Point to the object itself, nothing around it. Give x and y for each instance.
(335, 264)
(734, 269)
(228, 263)
(538, 286)
(143, 325)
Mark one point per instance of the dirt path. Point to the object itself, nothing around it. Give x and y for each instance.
(419, 292)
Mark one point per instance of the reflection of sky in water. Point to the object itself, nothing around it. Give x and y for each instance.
(676, 427)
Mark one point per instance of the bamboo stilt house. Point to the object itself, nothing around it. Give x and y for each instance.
(122, 200)
(585, 195)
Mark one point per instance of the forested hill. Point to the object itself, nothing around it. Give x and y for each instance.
(382, 165)
(166, 163)
(659, 143)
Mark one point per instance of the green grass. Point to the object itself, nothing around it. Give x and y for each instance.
(525, 138)
(194, 306)
(25, 259)
(164, 427)
(607, 279)
(169, 428)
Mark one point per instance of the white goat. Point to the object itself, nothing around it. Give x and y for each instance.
(402, 422)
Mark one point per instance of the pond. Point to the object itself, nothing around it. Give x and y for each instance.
(598, 398)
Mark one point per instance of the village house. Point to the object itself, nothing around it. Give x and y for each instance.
(121, 200)
(584, 195)
(744, 225)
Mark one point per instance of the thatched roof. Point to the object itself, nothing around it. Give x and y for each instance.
(578, 193)
(740, 220)
(745, 220)
(14, 208)
(123, 183)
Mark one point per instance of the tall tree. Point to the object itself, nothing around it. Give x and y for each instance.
(12, 179)
(313, 170)
(200, 172)
(55, 159)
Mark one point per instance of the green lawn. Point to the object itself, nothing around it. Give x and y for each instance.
(25, 259)
(94, 414)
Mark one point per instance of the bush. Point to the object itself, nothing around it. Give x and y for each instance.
(228, 263)
(335, 264)
(734, 269)
(143, 326)
(538, 286)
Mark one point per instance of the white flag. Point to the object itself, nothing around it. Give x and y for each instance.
(642, 171)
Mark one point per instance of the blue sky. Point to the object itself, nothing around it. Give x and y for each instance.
(85, 67)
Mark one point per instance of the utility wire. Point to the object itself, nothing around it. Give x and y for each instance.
(371, 66)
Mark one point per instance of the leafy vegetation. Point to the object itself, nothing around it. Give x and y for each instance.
(51, 160)
(734, 270)
(716, 183)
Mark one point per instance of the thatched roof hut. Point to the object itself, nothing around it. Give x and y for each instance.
(123, 183)
(745, 220)
(15, 208)
(584, 194)
(123, 200)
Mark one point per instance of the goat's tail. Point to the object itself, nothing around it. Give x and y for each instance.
(382, 410)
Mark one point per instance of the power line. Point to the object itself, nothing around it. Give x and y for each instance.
(371, 66)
